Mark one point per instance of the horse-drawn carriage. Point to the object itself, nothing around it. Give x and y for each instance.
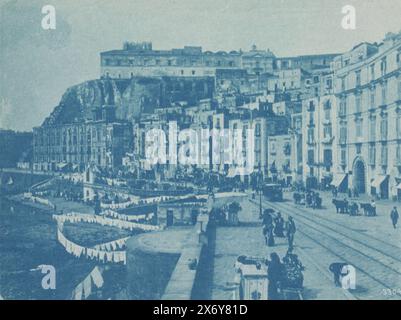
(308, 199)
(352, 208)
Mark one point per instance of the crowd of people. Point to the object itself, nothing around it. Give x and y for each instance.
(277, 227)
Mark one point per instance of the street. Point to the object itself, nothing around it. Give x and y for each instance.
(369, 244)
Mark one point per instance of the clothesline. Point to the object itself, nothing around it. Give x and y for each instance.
(89, 218)
(152, 200)
(112, 245)
(114, 214)
(91, 253)
(84, 288)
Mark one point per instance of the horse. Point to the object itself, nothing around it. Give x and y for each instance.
(341, 205)
(354, 209)
(368, 209)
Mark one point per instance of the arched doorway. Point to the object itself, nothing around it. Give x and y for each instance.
(359, 173)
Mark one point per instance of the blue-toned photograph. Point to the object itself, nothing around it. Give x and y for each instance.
(200, 150)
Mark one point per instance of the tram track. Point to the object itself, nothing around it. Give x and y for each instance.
(347, 249)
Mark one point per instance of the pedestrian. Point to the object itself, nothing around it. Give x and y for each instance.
(336, 268)
(267, 218)
(270, 235)
(291, 229)
(394, 217)
(274, 275)
(279, 225)
(373, 206)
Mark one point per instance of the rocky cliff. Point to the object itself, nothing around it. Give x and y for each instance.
(129, 96)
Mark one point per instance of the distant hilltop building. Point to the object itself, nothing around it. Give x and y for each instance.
(139, 59)
(245, 71)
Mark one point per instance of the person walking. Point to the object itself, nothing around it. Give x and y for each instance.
(394, 217)
(274, 275)
(291, 229)
(279, 225)
(373, 208)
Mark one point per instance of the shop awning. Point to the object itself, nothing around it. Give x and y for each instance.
(378, 181)
(338, 179)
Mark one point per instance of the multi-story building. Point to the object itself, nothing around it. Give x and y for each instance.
(318, 119)
(259, 125)
(368, 92)
(102, 141)
(139, 59)
(279, 158)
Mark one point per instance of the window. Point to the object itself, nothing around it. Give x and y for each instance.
(327, 132)
(358, 128)
(342, 84)
(327, 114)
(372, 129)
(384, 94)
(372, 72)
(329, 83)
(311, 106)
(311, 136)
(343, 134)
(384, 155)
(343, 156)
(343, 107)
(358, 78)
(398, 125)
(311, 157)
(372, 154)
(327, 158)
(398, 154)
(257, 130)
(358, 103)
(383, 66)
(383, 128)
(372, 98)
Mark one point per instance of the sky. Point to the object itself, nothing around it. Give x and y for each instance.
(37, 66)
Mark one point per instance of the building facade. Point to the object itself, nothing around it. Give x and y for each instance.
(368, 92)
(102, 141)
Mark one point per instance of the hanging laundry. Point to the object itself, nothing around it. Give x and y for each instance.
(97, 277)
(87, 284)
(77, 293)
